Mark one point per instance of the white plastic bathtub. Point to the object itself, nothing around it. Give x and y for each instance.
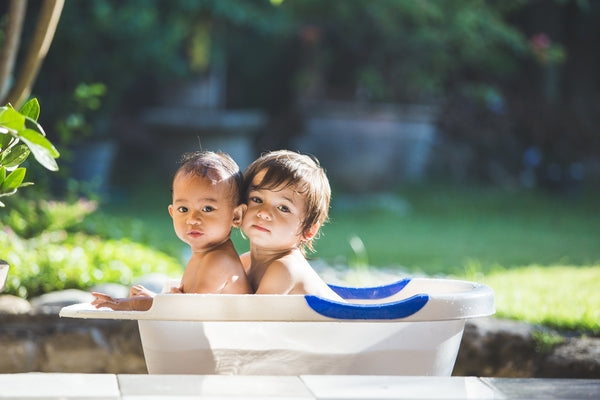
(410, 327)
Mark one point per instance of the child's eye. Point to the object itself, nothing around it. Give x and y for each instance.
(208, 209)
(255, 199)
(284, 209)
(182, 209)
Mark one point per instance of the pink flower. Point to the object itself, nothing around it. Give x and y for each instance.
(540, 41)
(540, 44)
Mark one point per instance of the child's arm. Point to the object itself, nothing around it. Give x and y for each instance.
(137, 303)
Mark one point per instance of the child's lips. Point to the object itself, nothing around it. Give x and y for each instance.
(195, 234)
(260, 228)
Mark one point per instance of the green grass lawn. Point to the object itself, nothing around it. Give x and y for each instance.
(539, 252)
(446, 230)
(566, 297)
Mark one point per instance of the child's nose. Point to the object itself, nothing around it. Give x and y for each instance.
(263, 213)
(193, 218)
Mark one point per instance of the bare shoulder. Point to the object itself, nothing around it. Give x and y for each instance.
(221, 271)
(223, 265)
(293, 274)
(222, 259)
(279, 278)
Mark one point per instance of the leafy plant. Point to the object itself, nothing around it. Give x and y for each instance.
(55, 245)
(59, 260)
(20, 136)
(31, 217)
(50, 248)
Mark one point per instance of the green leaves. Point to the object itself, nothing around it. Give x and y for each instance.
(11, 182)
(41, 148)
(31, 109)
(11, 120)
(15, 155)
(20, 136)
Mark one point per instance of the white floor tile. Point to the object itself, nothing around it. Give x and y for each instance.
(180, 387)
(396, 387)
(59, 386)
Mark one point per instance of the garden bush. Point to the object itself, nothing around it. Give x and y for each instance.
(29, 217)
(48, 251)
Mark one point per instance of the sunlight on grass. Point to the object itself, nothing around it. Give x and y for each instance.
(558, 296)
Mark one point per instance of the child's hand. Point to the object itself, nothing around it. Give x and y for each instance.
(137, 303)
(176, 289)
(139, 290)
(104, 300)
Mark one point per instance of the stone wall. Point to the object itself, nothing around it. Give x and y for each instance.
(47, 343)
(503, 348)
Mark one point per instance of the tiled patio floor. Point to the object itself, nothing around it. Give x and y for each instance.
(158, 387)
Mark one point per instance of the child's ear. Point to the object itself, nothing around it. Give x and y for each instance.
(171, 210)
(310, 233)
(238, 215)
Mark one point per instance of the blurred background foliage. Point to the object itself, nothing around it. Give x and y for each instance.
(386, 50)
(508, 76)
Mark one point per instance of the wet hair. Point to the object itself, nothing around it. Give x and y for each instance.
(285, 168)
(215, 166)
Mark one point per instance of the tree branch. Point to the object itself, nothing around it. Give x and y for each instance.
(46, 26)
(10, 48)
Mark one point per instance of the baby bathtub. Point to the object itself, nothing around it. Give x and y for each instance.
(409, 327)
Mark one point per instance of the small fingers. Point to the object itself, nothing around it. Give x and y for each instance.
(103, 300)
(176, 289)
(139, 290)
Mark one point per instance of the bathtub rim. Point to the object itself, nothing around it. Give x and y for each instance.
(448, 299)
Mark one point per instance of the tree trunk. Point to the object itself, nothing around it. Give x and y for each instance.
(16, 15)
(46, 26)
